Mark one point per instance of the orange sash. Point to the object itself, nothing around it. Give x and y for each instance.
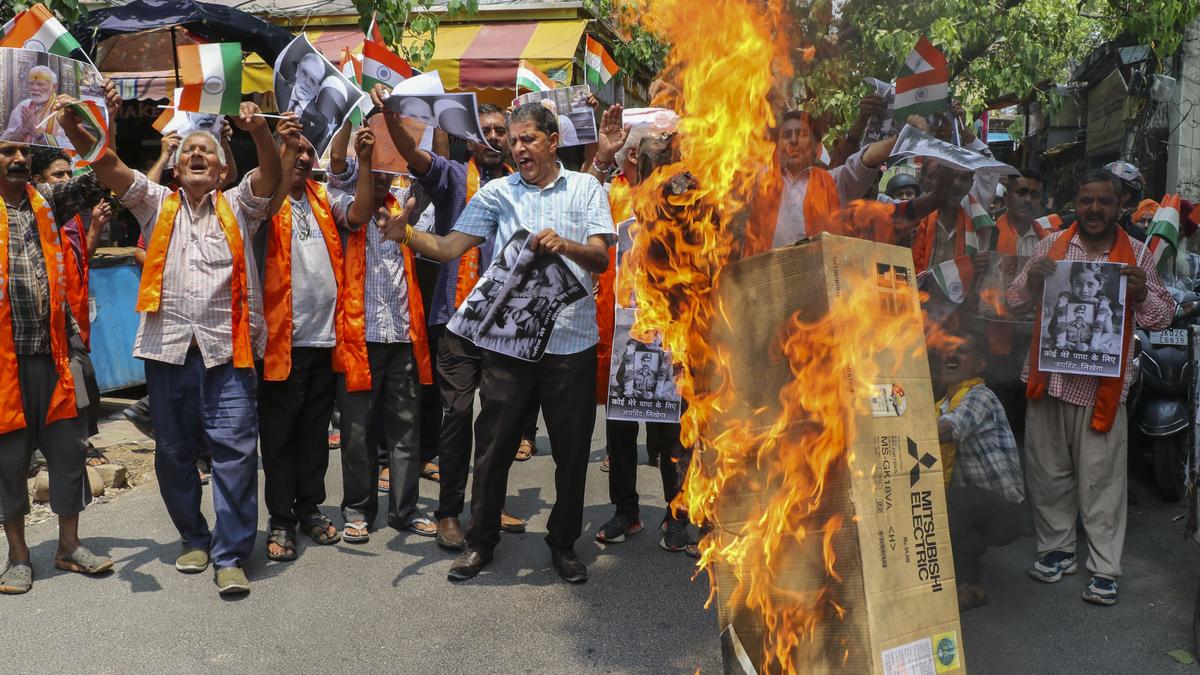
(62, 401)
(1006, 243)
(277, 280)
(1108, 389)
(926, 235)
(77, 281)
(470, 264)
(622, 209)
(150, 290)
(351, 358)
(821, 200)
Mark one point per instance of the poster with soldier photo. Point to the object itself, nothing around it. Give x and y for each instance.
(641, 376)
(30, 81)
(1083, 319)
(307, 84)
(513, 308)
(576, 121)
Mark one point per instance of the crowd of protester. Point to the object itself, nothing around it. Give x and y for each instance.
(273, 297)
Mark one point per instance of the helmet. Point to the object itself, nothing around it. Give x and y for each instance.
(1131, 177)
(902, 180)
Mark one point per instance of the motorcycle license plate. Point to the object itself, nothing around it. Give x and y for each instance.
(1172, 336)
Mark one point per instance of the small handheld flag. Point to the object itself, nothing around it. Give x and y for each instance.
(37, 29)
(381, 66)
(923, 85)
(954, 277)
(599, 67)
(212, 77)
(1163, 235)
(530, 78)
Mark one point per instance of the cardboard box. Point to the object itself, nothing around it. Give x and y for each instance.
(893, 548)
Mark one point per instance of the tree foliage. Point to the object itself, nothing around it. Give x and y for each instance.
(410, 26)
(67, 11)
(639, 49)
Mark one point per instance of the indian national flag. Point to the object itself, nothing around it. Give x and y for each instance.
(532, 79)
(36, 29)
(923, 85)
(977, 219)
(212, 77)
(352, 69)
(1163, 235)
(954, 278)
(373, 32)
(381, 66)
(93, 121)
(599, 67)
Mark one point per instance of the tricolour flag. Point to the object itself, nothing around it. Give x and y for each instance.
(352, 69)
(530, 78)
(212, 77)
(923, 85)
(599, 67)
(36, 29)
(954, 277)
(1163, 236)
(381, 66)
(93, 122)
(373, 32)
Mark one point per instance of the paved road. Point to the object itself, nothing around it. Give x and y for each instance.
(387, 607)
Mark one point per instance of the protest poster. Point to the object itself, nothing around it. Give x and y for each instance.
(307, 84)
(453, 113)
(576, 121)
(513, 308)
(913, 142)
(30, 81)
(879, 129)
(641, 376)
(1083, 319)
(386, 158)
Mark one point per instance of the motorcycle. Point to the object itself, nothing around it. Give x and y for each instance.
(1161, 405)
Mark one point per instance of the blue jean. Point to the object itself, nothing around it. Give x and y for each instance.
(195, 407)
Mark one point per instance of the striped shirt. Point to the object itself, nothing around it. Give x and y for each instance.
(987, 455)
(1155, 312)
(197, 303)
(575, 206)
(386, 288)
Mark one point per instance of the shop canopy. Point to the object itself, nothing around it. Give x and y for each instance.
(485, 56)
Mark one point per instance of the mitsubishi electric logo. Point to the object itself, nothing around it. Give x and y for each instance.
(927, 460)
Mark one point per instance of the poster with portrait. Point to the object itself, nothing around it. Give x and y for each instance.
(29, 83)
(307, 84)
(576, 121)
(513, 308)
(1083, 319)
(386, 157)
(453, 113)
(641, 376)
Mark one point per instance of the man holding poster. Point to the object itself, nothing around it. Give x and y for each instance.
(1075, 430)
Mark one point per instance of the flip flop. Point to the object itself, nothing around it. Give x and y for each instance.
(430, 472)
(384, 485)
(359, 525)
(83, 561)
(422, 526)
(17, 578)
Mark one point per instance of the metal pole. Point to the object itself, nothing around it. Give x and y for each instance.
(175, 59)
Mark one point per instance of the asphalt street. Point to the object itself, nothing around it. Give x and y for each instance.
(386, 606)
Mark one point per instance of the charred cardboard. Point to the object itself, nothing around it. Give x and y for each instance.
(893, 551)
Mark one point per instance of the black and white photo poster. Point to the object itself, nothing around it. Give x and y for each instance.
(512, 309)
(1083, 318)
(453, 113)
(641, 377)
(576, 120)
(307, 84)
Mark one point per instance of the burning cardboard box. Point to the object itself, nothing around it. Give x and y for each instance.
(831, 548)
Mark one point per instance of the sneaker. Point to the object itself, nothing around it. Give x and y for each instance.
(615, 530)
(192, 561)
(1051, 567)
(568, 566)
(675, 538)
(231, 581)
(1101, 591)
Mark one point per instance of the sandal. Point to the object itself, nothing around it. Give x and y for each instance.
(526, 450)
(285, 540)
(356, 532)
(17, 578)
(384, 484)
(95, 457)
(83, 561)
(430, 472)
(422, 526)
(317, 527)
(604, 464)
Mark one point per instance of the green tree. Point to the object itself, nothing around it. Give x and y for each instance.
(410, 26)
(639, 49)
(67, 11)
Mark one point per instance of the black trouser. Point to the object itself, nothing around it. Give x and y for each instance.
(661, 439)
(981, 519)
(460, 365)
(566, 387)
(293, 426)
(393, 404)
(431, 400)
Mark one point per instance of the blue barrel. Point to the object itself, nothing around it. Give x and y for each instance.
(113, 292)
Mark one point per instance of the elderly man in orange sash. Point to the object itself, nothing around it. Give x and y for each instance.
(201, 328)
(38, 395)
(304, 293)
(1076, 440)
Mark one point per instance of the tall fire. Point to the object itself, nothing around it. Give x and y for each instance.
(776, 404)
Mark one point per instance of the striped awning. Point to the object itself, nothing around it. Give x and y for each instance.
(485, 56)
